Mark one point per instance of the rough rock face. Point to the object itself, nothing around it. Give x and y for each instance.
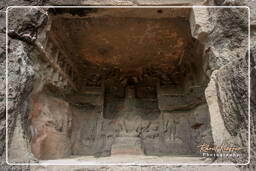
(224, 44)
(26, 26)
(4, 166)
(50, 134)
(220, 79)
(253, 105)
(221, 89)
(2, 85)
(98, 2)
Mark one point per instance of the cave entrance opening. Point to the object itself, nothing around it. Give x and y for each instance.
(119, 82)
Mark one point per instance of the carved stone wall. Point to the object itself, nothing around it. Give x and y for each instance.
(108, 109)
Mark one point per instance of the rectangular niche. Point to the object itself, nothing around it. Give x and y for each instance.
(118, 86)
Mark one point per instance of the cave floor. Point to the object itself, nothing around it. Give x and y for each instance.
(128, 160)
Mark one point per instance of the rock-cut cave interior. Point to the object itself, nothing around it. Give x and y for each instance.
(114, 81)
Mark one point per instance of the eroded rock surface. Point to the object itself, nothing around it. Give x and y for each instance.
(27, 25)
(50, 126)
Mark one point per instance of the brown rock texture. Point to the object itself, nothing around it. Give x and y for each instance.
(50, 133)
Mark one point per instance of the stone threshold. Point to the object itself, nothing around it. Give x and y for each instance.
(128, 160)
